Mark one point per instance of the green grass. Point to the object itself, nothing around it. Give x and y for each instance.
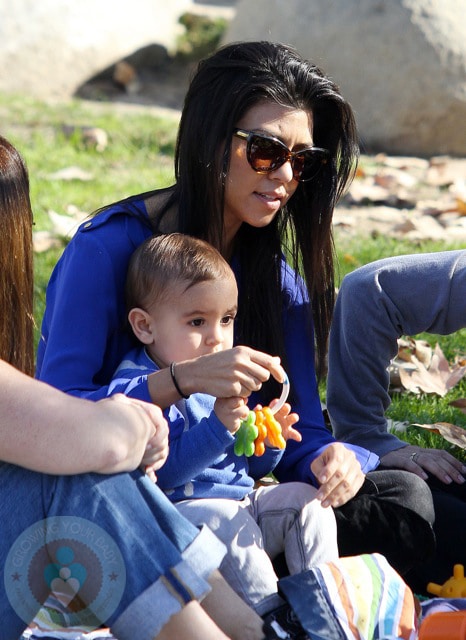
(355, 252)
(139, 156)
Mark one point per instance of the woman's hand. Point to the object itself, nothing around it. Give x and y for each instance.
(231, 412)
(235, 372)
(418, 460)
(338, 473)
(144, 423)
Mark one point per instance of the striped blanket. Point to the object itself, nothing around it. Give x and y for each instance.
(355, 598)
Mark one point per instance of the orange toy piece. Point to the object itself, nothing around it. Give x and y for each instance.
(274, 430)
(259, 445)
(454, 587)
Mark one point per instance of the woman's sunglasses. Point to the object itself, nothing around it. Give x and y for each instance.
(266, 153)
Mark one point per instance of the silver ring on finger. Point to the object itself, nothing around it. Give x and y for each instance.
(413, 456)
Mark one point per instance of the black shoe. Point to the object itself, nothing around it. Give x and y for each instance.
(283, 624)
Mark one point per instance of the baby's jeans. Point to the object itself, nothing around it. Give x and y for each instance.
(117, 531)
(281, 518)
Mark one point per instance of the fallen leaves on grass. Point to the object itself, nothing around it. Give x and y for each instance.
(412, 198)
(64, 227)
(419, 368)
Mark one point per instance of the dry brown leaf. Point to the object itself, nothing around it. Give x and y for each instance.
(458, 190)
(364, 190)
(459, 403)
(394, 178)
(451, 432)
(438, 378)
(461, 206)
(44, 241)
(65, 226)
(408, 347)
(71, 173)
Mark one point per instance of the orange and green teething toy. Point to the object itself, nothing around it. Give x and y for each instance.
(259, 425)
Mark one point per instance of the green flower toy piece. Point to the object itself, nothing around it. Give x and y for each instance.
(245, 436)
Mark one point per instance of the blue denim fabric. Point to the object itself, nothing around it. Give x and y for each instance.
(166, 559)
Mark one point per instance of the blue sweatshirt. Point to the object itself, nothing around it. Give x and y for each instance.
(201, 462)
(85, 334)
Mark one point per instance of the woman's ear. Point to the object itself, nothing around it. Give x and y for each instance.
(142, 325)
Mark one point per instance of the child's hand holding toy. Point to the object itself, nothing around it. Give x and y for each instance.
(267, 426)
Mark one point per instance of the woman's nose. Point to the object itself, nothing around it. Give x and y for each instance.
(284, 173)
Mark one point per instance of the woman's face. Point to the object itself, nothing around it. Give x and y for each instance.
(253, 197)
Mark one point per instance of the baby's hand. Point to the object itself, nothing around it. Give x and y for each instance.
(156, 451)
(231, 412)
(286, 421)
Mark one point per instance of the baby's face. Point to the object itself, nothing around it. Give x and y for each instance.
(194, 322)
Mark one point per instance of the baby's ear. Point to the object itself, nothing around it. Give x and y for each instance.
(142, 325)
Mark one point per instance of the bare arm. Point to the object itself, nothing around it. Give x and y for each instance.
(46, 430)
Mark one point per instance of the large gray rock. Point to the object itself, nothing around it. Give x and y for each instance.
(401, 63)
(48, 48)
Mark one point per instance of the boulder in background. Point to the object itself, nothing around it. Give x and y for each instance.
(400, 63)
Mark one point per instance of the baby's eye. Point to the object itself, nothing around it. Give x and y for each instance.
(197, 322)
(227, 320)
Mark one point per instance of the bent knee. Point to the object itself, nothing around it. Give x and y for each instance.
(416, 495)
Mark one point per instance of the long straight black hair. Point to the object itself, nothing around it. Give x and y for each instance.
(224, 87)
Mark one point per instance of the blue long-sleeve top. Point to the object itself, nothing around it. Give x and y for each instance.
(85, 334)
(201, 462)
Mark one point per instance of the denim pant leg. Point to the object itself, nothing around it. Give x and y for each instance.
(293, 521)
(160, 558)
(246, 567)
(21, 505)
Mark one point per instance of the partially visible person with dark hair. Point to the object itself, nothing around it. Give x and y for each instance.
(56, 452)
(266, 146)
(17, 278)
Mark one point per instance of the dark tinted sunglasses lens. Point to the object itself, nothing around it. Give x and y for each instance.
(308, 164)
(265, 154)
